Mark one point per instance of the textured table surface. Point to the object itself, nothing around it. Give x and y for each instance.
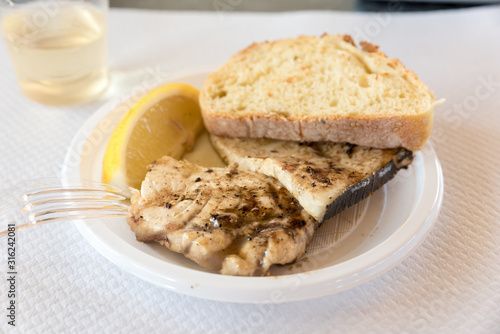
(450, 284)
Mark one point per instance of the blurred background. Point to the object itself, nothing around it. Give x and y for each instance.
(290, 5)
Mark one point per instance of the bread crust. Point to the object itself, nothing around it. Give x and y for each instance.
(384, 132)
(409, 130)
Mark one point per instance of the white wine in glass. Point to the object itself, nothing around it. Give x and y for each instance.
(59, 55)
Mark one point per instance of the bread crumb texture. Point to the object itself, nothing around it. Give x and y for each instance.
(312, 78)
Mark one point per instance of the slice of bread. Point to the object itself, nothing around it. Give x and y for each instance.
(318, 89)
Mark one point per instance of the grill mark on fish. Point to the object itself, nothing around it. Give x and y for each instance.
(226, 222)
(315, 173)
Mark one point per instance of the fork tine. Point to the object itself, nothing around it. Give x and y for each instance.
(79, 216)
(72, 190)
(75, 216)
(70, 200)
(108, 207)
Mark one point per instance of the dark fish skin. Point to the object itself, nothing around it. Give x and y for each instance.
(224, 219)
(368, 186)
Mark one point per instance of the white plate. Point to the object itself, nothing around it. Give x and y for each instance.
(392, 223)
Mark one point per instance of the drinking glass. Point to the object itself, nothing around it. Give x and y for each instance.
(58, 48)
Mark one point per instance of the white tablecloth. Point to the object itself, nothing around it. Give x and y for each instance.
(450, 284)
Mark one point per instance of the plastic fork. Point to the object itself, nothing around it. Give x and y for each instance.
(49, 200)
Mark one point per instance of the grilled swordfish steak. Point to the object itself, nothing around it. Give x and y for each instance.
(224, 219)
(324, 177)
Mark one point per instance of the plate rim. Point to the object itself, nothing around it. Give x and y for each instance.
(251, 289)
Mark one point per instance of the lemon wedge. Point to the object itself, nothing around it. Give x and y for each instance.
(164, 122)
